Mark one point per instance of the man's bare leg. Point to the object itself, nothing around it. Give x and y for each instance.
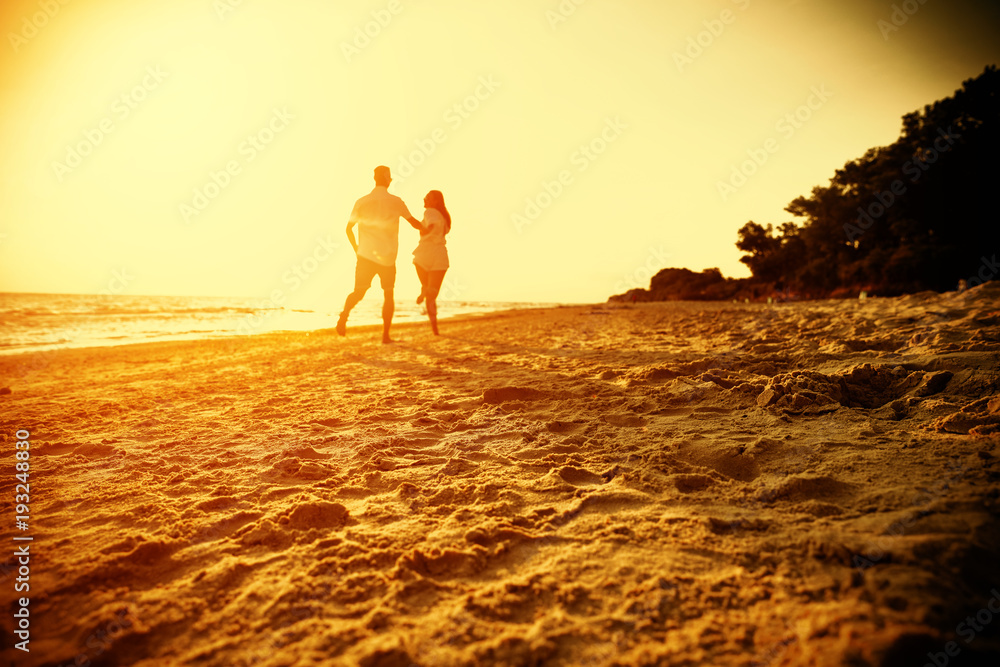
(388, 307)
(352, 300)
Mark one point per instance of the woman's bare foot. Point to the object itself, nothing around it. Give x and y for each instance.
(420, 299)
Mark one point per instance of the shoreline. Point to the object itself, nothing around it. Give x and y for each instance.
(459, 318)
(50, 347)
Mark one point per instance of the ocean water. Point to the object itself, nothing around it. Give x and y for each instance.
(50, 321)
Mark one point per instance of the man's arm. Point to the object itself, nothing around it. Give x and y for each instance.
(351, 221)
(416, 224)
(405, 214)
(350, 236)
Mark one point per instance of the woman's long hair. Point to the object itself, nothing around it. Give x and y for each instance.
(437, 202)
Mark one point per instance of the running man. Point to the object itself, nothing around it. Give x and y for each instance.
(377, 216)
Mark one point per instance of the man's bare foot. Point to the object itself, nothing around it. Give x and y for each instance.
(387, 341)
(342, 325)
(420, 299)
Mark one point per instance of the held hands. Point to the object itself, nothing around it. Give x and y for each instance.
(416, 224)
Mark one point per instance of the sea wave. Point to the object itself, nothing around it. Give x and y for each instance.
(35, 322)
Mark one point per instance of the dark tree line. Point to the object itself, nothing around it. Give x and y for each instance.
(920, 214)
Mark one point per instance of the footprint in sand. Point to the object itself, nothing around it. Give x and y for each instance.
(91, 451)
(459, 468)
(447, 563)
(626, 420)
(211, 532)
(692, 483)
(316, 514)
(279, 534)
(603, 502)
(217, 504)
(580, 477)
(807, 487)
(296, 468)
(124, 546)
(306, 453)
(557, 426)
(148, 554)
(497, 395)
(56, 449)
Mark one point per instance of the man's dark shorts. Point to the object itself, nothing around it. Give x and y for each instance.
(366, 272)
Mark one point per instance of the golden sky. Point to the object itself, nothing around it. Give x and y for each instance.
(216, 147)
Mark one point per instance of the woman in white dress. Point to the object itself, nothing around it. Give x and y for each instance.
(431, 256)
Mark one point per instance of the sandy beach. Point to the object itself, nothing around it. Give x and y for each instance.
(657, 484)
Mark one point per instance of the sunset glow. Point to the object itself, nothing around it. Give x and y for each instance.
(216, 147)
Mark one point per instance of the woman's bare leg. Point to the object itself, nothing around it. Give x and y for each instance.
(434, 281)
(422, 274)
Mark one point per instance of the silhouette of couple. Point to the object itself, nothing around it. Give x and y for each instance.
(377, 216)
